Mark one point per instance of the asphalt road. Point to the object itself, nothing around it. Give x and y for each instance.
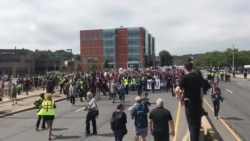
(69, 123)
(234, 111)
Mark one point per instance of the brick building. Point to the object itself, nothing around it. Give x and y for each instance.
(23, 62)
(16, 62)
(119, 47)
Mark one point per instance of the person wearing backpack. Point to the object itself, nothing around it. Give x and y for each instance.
(122, 91)
(139, 114)
(118, 123)
(37, 104)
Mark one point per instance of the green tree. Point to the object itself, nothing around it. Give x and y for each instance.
(77, 57)
(105, 64)
(166, 58)
(63, 67)
(79, 68)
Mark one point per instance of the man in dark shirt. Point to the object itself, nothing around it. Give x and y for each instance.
(159, 118)
(191, 84)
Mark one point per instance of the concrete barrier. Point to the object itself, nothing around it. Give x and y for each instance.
(207, 133)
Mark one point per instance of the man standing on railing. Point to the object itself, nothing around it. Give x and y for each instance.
(192, 96)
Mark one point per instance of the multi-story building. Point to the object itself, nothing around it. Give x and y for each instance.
(23, 62)
(16, 62)
(119, 47)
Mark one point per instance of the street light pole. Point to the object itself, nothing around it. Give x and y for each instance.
(233, 57)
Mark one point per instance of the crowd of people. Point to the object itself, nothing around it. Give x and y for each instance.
(186, 84)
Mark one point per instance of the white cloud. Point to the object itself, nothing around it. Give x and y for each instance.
(180, 27)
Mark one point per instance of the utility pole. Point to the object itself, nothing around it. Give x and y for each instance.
(233, 57)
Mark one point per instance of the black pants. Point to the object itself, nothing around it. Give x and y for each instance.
(39, 120)
(216, 104)
(193, 116)
(72, 99)
(161, 136)
(93, 120)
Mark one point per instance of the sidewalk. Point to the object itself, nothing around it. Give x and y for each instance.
(241, 76)
(24, 102)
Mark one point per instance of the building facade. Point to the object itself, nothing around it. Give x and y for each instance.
(16, 62)
(23, 62)
(118, 47)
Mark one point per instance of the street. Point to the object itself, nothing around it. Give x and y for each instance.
(69, 123)
(234, 111)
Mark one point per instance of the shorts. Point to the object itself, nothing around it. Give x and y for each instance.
(143, 132)
(48, 117)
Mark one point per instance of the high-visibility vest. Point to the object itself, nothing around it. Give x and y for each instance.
(133, 81)
(47, 108)
(125, 81)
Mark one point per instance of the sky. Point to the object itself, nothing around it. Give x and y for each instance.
(179, 26)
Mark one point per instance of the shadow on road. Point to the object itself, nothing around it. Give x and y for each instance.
(59, 129)
(232, 118)
(65, 137)
(106, 135)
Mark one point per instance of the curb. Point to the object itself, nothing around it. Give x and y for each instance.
(19, 98)
(26, 109)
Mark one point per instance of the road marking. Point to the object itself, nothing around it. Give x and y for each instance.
(229, 91)
(241, 84)
(80, 109)
(224, 123)
(177, 120)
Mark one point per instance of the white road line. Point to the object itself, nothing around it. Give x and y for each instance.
(241, 84)
(229, 91)
(80, 109)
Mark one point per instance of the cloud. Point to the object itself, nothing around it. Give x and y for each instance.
(180, 27)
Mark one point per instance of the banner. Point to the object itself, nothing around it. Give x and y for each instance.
(157, 84)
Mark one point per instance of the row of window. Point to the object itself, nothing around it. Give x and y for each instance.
(109, 58)
(110, 34)
(89, 60)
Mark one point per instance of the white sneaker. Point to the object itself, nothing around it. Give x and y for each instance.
(215, 117)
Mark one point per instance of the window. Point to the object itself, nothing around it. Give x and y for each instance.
(133, 42)
(133, 57)
(134, 33)
(84, 60)
(108, 42)
(133, 50)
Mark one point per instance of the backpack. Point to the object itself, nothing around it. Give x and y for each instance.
(141, 118)
(38, 102)
(121, 90)
(116, 121)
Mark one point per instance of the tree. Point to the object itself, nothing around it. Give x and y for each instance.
(77, 57)
(63, 67)
(105, 64)
(166, 58)
(79, 68)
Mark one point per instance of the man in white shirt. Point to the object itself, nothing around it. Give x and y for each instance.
(90, 117)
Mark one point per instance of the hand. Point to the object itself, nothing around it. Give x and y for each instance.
(172, 133)
(151, 131)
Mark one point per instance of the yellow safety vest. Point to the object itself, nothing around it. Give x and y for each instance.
(47, 108)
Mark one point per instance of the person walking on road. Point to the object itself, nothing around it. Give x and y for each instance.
(139, 114)
(72, 93)
(216, 98)
(159, 121)
(48, 112)
(193, 97)
(90, 116)
(118, 123)
(38, 103)
(14, 94)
